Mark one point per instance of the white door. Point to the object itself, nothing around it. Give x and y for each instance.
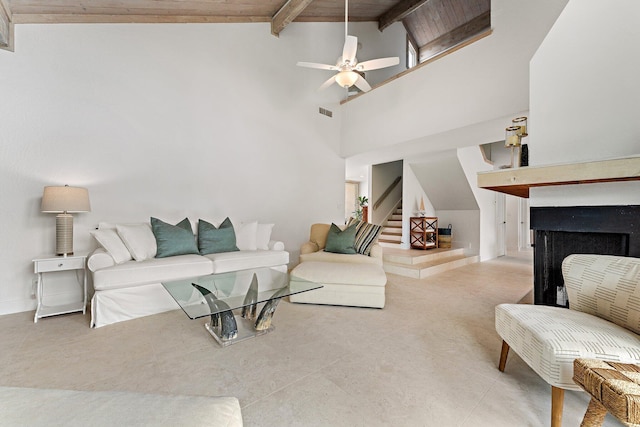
(524, 235)
(501, 224)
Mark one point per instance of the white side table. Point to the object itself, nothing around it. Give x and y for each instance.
(50, 264)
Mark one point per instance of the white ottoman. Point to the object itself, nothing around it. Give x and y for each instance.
(351, 284)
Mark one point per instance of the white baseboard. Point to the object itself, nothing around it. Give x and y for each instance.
(17, 306)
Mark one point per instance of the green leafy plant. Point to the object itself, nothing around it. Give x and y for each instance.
(362, 202)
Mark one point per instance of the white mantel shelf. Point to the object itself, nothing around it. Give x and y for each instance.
(517, 182)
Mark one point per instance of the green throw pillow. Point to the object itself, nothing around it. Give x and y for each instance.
(341, 242)
(173, 240)
(212, 240)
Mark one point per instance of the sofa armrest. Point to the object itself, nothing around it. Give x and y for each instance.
(276, 245)
(309, 248)
(99, 259)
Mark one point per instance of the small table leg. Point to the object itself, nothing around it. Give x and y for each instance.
(594, 417)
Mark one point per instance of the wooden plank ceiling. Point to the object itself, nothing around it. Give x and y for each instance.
(429, 23)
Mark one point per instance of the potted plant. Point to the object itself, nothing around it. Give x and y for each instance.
(363, 209)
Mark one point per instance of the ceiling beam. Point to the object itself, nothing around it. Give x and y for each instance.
(398, 12)
(6, 27)
(287, 13)
(455, 36)
(94, 18)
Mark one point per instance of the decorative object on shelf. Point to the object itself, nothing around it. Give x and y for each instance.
(522, 123)
(421, 210)
(513, 139)
(64, 201)
(423, 232)
(524, 155)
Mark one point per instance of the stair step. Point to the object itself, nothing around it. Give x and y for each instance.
(396, 217)
(430, 268)
(393, 223)
(417, 256)
(390, 238)
(390, 245)
(392, 230)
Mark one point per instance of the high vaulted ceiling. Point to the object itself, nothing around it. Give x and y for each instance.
(430, 23)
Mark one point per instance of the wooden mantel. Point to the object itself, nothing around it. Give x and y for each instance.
(517, 182)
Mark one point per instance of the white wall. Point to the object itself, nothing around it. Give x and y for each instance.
(483, 81)
(465, 227)
(197, 120)
(482, 239)
(412, 194)
(585, 98)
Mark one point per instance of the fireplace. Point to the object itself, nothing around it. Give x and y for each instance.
(561, 231)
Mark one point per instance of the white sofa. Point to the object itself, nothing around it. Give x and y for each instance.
(355, 280)
(128, 289)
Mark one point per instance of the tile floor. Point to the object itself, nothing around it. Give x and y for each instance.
(429, 358)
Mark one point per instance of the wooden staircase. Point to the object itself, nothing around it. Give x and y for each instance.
(391, 235)
(419, 264)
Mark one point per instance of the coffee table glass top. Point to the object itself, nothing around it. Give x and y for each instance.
(232, 288)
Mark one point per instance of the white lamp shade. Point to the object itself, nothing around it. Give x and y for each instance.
(346, 78)
(65, 199)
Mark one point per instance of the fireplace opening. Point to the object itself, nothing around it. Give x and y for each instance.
(552, 247)
(562, 231)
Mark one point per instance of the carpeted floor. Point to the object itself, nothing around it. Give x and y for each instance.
(429, 358)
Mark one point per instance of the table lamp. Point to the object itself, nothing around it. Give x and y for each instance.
(63, 201)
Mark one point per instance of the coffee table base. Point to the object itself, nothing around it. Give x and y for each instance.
(246, 330)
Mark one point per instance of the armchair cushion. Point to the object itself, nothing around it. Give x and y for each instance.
(605, 286)
(548, 339)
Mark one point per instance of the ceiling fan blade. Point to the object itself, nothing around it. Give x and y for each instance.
(316, 65)
(376, 64)
(350, 49)
(328, 83)
(362, 84)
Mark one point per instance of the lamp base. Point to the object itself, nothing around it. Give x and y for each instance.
(64, 234)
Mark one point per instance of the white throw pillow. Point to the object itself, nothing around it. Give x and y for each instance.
(263, 236)
(111, 242)
(139, 239)
(246, 235)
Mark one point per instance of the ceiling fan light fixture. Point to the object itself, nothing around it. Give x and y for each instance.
(346, 78)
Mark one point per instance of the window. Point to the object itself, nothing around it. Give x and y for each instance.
(412, 53)
(351, 192)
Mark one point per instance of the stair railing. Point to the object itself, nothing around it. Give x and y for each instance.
(387, 192)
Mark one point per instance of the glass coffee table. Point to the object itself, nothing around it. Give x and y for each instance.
(232, 300)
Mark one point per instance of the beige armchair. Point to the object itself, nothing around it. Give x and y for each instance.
(313, 250)
(347, 279)
(603, 322)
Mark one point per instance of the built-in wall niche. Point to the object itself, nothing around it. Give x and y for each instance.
(562, 231)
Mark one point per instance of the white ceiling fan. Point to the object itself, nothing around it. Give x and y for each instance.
(347, 65)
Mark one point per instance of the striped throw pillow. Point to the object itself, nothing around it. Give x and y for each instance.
(366, 235)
